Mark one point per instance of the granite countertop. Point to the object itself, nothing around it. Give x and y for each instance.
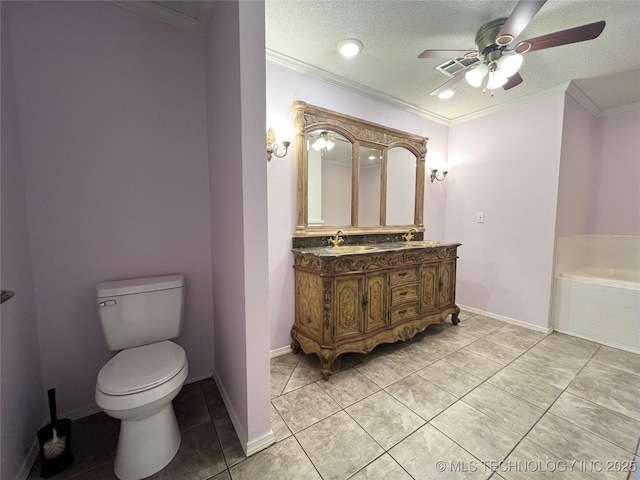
(329, 251)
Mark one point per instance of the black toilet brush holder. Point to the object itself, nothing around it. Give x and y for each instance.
(55, 442)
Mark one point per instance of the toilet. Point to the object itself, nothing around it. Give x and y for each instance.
(138, 317)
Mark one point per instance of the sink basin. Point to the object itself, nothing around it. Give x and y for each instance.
(351, 248)
(422, 242)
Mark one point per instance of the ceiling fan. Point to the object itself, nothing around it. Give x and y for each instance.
(498, 66)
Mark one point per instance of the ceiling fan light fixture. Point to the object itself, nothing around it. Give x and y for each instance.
(350, 47)
(474, 76)
(496, 80)
(509, 64)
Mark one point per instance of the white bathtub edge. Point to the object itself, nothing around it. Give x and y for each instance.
(601, 341)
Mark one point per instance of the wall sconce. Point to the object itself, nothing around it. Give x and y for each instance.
(272, 147)
(434, 174)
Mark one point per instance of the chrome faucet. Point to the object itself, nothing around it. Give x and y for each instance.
(337, 238)
(409, 235)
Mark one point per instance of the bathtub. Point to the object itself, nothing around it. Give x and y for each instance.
(599, 304)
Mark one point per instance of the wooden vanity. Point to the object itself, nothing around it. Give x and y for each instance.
(353, 301)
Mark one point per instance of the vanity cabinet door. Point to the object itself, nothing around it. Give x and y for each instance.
(376, 301)
(447, 283)
(348, 306)
(429, 280)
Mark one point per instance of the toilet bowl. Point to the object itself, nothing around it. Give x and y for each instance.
(137, 387)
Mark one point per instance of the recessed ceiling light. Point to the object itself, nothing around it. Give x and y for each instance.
(445, 94)
(350, 47)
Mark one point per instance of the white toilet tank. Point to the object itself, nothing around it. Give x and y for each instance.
(140, 311)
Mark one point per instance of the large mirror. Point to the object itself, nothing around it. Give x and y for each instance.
(355, 175)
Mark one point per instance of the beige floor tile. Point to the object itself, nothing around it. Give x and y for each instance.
(502, 406)
(496, 353)
(572, 345)
(278, 426)
(202, 452)
(527, 387)
(438, 347)
(420, 454)
(191, 407)
(570, 442)
(383, 467)
(480, 325)
(523, 332)
(476, 365)
(291, 359)
(612, 426)
(529, 461)
(609, 387)
(384, 418)
(348, 387)
(450, 378)
(280, 461)
(304, 407)
(300, 377)
(423, 397)
(383, 371)
(279, 377)
(217, 408)
(556, 369)
(509, 338)
(338, 447)
(412, 357)
(630, 362)
(476, 432)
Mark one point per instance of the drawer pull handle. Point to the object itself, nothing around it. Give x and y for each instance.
(403, 293)
(402, 312)
(403, 274)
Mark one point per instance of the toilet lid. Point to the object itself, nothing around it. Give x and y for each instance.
(141, 368)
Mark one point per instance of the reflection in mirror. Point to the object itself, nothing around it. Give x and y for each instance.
(329, 173)
(369, 186)
(401, 186)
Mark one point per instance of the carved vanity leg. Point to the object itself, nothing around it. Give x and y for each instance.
(295, 346)
(326, 359)
(454, 318)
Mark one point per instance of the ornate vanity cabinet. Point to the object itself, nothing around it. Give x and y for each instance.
(353, 302)
(363, 273)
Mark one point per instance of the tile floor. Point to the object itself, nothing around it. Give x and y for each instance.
(548, 407)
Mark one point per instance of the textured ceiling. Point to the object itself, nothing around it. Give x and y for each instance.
(304, 33)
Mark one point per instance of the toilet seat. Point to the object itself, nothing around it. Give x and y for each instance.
(139, 376)
(138, 369)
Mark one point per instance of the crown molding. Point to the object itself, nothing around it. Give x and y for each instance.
(583, 99)
(323, 75)
(620, 109)
(170, 17)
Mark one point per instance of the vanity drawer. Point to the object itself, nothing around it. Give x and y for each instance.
(404, 293)
(401, 312)
(404, 275)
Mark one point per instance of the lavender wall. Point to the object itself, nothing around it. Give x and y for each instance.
(618, 176)
(21, 393)
(283, 87)
(113, 136)
(578, 170)
(511, 175)
(234, 49)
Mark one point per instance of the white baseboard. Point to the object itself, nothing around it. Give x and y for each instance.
(249, 447)
(508, 320)
(23, 473)
(280, 351)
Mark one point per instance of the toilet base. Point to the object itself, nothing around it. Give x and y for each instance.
(147, 445)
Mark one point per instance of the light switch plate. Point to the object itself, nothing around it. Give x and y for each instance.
(480, 218)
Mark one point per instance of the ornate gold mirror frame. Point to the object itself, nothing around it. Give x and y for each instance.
(359, 132)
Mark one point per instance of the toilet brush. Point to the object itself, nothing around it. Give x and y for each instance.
(55, 441)
(55, 446)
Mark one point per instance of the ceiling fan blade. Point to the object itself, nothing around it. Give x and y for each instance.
(449, 83)
(444, 53)
(518, 20)
(513, 81)
(565, 37)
